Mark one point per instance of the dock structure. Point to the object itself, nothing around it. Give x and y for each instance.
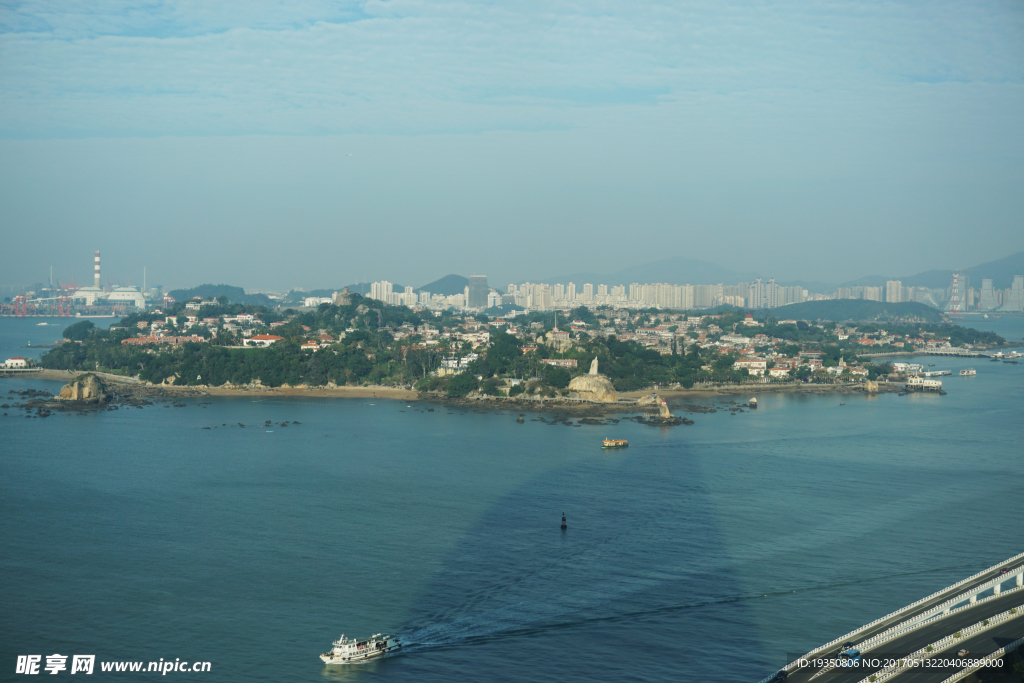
(921, 384)
(958, 351)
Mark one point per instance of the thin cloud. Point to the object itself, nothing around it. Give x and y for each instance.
(404, 66)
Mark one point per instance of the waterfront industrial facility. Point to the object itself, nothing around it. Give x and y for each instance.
(72, 300)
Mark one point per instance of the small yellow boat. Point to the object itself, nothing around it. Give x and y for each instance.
(615, 443)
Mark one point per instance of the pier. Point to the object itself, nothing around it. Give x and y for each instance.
(958, 351)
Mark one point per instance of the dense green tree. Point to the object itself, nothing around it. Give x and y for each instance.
(79, 331)
(461, 384)
(557, 377)
(489, 387)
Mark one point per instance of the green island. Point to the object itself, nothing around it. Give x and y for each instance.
(364, 342)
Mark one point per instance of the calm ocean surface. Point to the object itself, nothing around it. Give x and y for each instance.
(700, 553)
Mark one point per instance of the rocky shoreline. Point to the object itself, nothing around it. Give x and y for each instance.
(91, 392)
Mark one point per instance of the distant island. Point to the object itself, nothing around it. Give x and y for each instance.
(360, 341)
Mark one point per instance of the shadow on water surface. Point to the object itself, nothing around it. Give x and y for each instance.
(640, 583)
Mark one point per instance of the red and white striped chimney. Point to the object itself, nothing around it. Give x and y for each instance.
(96, 271)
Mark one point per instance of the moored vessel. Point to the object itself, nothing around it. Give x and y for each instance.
(615, 443)
(348, 650)
(968, 372)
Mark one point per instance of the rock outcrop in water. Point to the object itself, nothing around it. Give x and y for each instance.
(663, 412)
(594, 387)
(84, 389)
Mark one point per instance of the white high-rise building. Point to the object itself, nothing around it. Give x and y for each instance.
(381, 291)
(988, 299)
(755, 294)
(894, 291)
(1013, 298)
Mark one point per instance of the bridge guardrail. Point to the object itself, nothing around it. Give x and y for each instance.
(920, 620)
(851, 634)
(998, 654)
(935, 649)
(911, 606)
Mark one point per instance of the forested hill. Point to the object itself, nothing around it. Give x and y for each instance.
(235, 295)
(449, 285)
(841, 310)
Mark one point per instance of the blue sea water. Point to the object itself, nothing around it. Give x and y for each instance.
(27, 337)
(704, 552)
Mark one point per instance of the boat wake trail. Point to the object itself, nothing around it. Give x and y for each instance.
(510, 618)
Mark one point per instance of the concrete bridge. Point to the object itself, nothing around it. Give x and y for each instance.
(983, 614)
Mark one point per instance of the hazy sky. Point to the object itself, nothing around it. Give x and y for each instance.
(306, 143)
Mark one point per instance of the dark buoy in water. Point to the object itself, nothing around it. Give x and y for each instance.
(564, 525)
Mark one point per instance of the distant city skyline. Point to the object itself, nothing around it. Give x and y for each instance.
(112, 277)
(959, 296)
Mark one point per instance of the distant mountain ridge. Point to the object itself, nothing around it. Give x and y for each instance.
(1001, 273)
(683, 271)
(363, 288)
(842, 310)
(235, 295)
(449, 285)
(673, 271)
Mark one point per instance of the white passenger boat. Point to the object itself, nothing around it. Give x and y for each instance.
(349, 650)
(969, 372)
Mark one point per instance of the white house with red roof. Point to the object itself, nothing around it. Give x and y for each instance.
(755, 366)
(16, 362)
(263, 340)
